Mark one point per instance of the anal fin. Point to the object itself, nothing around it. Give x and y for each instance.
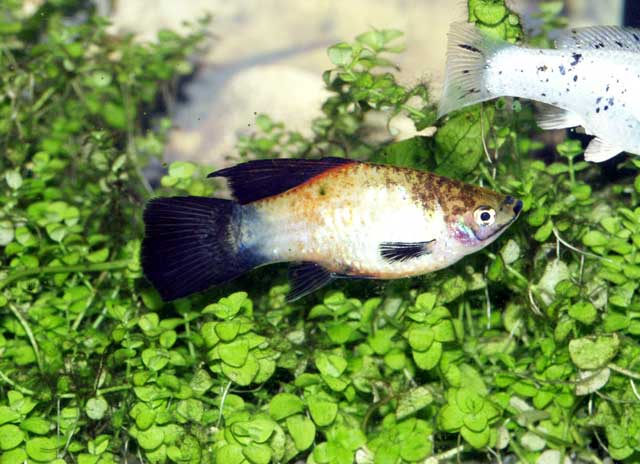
(306, 278)
(404, 251)
(551, 117)
(599, 151)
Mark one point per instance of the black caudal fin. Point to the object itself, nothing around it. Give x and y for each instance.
(258, 179)
(190, 245)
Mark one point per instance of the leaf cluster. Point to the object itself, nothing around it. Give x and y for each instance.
(527, 350)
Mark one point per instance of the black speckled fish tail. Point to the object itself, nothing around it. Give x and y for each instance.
(190, 244)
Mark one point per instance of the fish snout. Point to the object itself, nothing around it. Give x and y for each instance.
(510, 202)
(518, 207)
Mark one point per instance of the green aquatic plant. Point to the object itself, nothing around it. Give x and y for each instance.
(528, 349)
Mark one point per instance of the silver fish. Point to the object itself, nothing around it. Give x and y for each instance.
(334, 217)
(591, 79)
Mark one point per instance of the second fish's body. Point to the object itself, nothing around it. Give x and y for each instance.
(592, 79)
(334, 217)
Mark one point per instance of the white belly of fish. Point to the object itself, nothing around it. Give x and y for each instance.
(346, 234)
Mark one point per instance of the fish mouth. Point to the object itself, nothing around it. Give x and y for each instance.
(516, 208)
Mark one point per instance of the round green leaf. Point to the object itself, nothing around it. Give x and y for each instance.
(151, 438)
(10, 436)
(155, 358)
(476, 439)
(230, 454)
(476, 422)
(96, 408)
(330, 365)
(6, 233)
(416, 447)
(37, 425)
(8, 415)
(42, 449)
(234, 353)
(428, 359)
(284, 405)
(168, 338)
(302, 430)
(584, 312)
(592, 354)
(592, 381)
(450, 418)
(242, 375)
(15, 456)
(227, 330)
(340, 54)
(257, 453)
(421, 337)
(322, 412)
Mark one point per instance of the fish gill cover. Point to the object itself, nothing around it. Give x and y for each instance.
(525, 351)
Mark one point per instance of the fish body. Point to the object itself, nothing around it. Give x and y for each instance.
(592, 79)
(340, 219)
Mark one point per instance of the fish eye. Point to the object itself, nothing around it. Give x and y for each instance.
(484, 216)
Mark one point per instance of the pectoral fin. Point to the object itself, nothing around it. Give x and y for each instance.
(306, 278)
(599, 151)
(404, 251)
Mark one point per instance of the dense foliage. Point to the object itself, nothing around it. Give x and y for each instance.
(528, 349)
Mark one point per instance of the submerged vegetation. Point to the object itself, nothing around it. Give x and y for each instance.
(528, 349)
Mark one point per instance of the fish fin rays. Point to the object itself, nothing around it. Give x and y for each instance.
(403, 251)
(306, 278)
(259, 179)
(189, 245)
(599, 151)
(600, 38)
(468, 52)
(551, 117)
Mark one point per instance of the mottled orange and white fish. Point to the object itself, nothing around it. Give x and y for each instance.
(332, 217)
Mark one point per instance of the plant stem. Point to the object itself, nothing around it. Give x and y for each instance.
(623, 371)
(95, 267)
(27, 328)
(22, 390)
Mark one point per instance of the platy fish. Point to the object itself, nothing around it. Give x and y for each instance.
(332, 217)
(591, 79)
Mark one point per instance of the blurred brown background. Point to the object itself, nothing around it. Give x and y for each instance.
(268, 55)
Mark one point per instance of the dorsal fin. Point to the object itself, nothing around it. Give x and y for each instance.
(600, 38)
(259, 179)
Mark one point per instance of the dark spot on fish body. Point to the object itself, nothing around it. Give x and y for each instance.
(619, 44)
(607, 89)
(597, 110)
(606, 107)
(470, 48)
(543, 94)
(636, 37)
(598, 100)
(562, 70)
(465, 71)
(576, 58)
(542, 68)
(322, 191)
(575, 78)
